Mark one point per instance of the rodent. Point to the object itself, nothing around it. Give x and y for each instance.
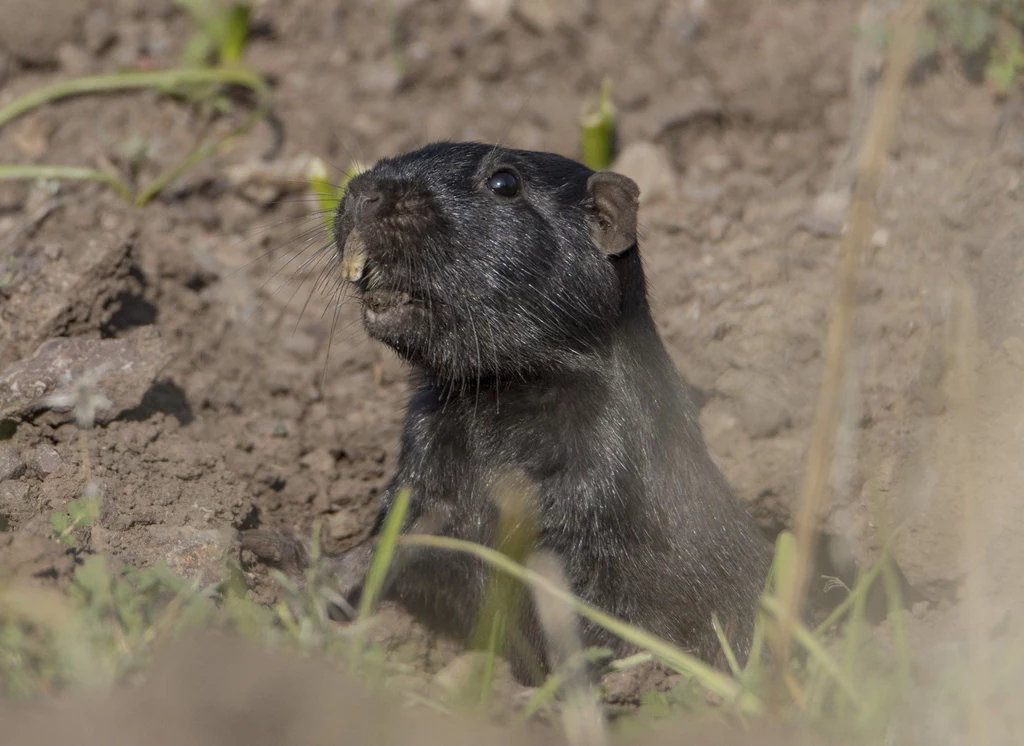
(512, 283)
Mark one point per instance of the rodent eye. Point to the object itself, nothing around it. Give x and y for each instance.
(503, 183)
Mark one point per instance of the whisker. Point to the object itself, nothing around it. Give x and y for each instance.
(309, 235)
(330, 340)
(319, 256)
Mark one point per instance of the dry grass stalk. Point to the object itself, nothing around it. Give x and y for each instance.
(582, 718)
(860, 224)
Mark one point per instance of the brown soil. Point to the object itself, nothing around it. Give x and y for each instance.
(244, 407)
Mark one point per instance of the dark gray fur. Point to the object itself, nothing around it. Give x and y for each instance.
(527, 325)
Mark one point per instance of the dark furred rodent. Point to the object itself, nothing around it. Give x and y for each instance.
(513, 284)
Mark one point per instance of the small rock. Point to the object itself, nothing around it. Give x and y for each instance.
(32, 134)
(493, 13)
(544, 16)
(828, 216)
(74, 60)
(44, 460)
(379, 78)
(343, 524)
(14, 502)
(11, 464)
(127, 368)
(880, 239)
(716, 163)
(320, 461)
(685, 19)
(650, 166)
(198, 553)
(12, 193)
(761, 411)
(34, 36)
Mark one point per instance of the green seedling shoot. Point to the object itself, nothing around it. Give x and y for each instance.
(597, 126)
(328, 195)
(212, 59)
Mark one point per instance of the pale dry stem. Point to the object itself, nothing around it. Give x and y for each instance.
(860, 223)
(582, 718)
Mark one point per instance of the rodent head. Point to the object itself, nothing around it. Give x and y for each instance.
(475, 261)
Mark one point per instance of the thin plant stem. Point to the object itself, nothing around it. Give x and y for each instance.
(168, 81)
(860, 223)
(66, 173)
(713, 680)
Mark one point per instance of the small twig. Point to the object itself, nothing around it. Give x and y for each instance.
(582, 719)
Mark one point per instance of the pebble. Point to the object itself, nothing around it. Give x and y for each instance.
(198, 553)
(44, 460)
(12, 465)
(686, 19)
(545, 16)
(492, 13)
(33, 35)
(760, 411)
(343, 524)
(650, 166)
(880, 239)
(379, 78)
(828, 215)
(13, 502)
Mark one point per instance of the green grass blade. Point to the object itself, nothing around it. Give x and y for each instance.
(162, 80)
(383, 553)
(597, 131)
(730, 656)
(860, 588)
(200, 153)
(899, 623)
(713, 680)
(813, 646)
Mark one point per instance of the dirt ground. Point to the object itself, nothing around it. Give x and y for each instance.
(233, 404)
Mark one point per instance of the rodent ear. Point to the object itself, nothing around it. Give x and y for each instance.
(614, 199)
